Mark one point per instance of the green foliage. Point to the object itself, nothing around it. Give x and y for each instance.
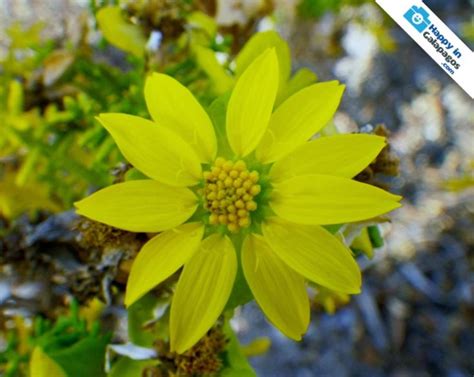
(85, 357)
(140, 313)
(49, 98)
(52, 134)
(11, 358)
(78, 350)
(68, 342)
(119, 32)
(317, 8)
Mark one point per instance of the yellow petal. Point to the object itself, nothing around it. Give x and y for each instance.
(341, 155)
(324, 199)
(251, 103)
(315, 253)
(160, 257)
(279, 290)
(41, 365)
(202, 291)
(139, 206)
(260, 42)
(299, 118)
(174, 107)
(156, 151)
(119, 32)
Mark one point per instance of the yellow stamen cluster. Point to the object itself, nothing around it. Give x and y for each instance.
(229, 193)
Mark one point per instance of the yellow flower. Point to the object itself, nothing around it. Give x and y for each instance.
(262, 199)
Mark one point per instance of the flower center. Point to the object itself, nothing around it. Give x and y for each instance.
(229, 192)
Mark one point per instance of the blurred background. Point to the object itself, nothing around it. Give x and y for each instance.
(415, 315)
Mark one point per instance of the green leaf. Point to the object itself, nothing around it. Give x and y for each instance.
(28, 167)
(120, 33)
(84, 358)
(140, 313)
(204, 22)
(15, 100)
(126, 367)
(206, 59)
(235, 362)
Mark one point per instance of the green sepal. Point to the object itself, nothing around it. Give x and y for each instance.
(134, 174)
(375, 236)
(241, 293)
(300, 80)
(333, 228)
(217, 112)
(235, 362)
